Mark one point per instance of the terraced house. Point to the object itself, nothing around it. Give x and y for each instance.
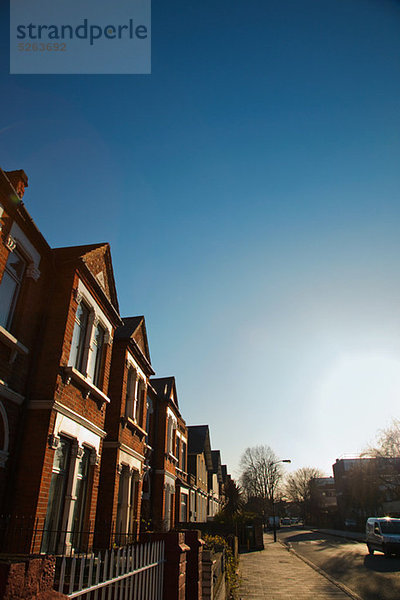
(93, 447)
(25, 273)
(170, 490)
(68, 399)
(127, 422)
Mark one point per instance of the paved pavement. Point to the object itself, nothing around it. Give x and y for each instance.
(350, 535)
(277, 574)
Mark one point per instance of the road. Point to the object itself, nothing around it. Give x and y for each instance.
(371, 577)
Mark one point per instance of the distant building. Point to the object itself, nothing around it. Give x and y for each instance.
(366, 487)
(199, 465)
(323, 501)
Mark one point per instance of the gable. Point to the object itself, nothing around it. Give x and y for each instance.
(98, 261)
(140, 337)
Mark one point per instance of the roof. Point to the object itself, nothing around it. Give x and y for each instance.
(97, 260)
(216, 462)
(165, 387)
(128, 328)
(9, 189)
(134, 331)
(199, 442)
(71, 253)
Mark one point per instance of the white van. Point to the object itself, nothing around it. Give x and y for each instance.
(383, 534)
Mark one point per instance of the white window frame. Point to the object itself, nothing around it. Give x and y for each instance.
(96, 317)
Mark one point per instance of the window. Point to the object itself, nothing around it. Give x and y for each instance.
(79, 337)
(10, 287)
(140, 403)
(126, 507)
(130, 394)
(184, 505)
(96, 360)
(169, 435)
(183, 460)
(81, 498)
(55, 505)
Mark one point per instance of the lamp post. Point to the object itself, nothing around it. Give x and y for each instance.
(286, 460)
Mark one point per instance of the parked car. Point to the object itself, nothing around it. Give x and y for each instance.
(383, 534)
(285, 521)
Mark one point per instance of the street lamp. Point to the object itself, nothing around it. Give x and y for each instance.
(285, 460)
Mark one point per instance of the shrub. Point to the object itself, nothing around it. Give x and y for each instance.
(217, 543)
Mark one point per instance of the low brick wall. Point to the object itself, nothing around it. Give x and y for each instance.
(214, 586)
(29, 579)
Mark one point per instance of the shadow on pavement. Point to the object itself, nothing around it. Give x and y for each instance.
(371, 577)
(381, 564)
(312, 536)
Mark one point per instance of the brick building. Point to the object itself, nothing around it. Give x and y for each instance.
(215, 485)
(65, 415)
(25, 267)
(199, 465)
(90, 443)
(127, 422)
(169, 498)
(58, 375)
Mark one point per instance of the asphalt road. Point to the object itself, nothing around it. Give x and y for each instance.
(371, 577)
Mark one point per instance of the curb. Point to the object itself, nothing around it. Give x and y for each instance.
(341, 586)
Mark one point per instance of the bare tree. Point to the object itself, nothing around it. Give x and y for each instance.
(386, 453)
(388, 442)
(261, 473)
(298, 488)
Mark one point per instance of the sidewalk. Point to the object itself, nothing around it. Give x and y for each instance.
(277, 574)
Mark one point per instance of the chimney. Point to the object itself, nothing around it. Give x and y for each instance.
(19, 181)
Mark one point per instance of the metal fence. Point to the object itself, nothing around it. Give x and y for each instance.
(27, 535)
(130, 573)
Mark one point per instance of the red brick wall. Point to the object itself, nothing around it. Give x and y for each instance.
(26, 326)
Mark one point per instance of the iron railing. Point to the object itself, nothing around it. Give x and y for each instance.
(131, 573)
(27, 535)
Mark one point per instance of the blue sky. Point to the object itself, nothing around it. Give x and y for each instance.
(249, 188)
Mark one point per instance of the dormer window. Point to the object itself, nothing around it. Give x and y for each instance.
(10, 287)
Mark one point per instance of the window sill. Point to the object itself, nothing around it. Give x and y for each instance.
(172, 458)
(9, 340)
(133, 426)
(90, 389)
